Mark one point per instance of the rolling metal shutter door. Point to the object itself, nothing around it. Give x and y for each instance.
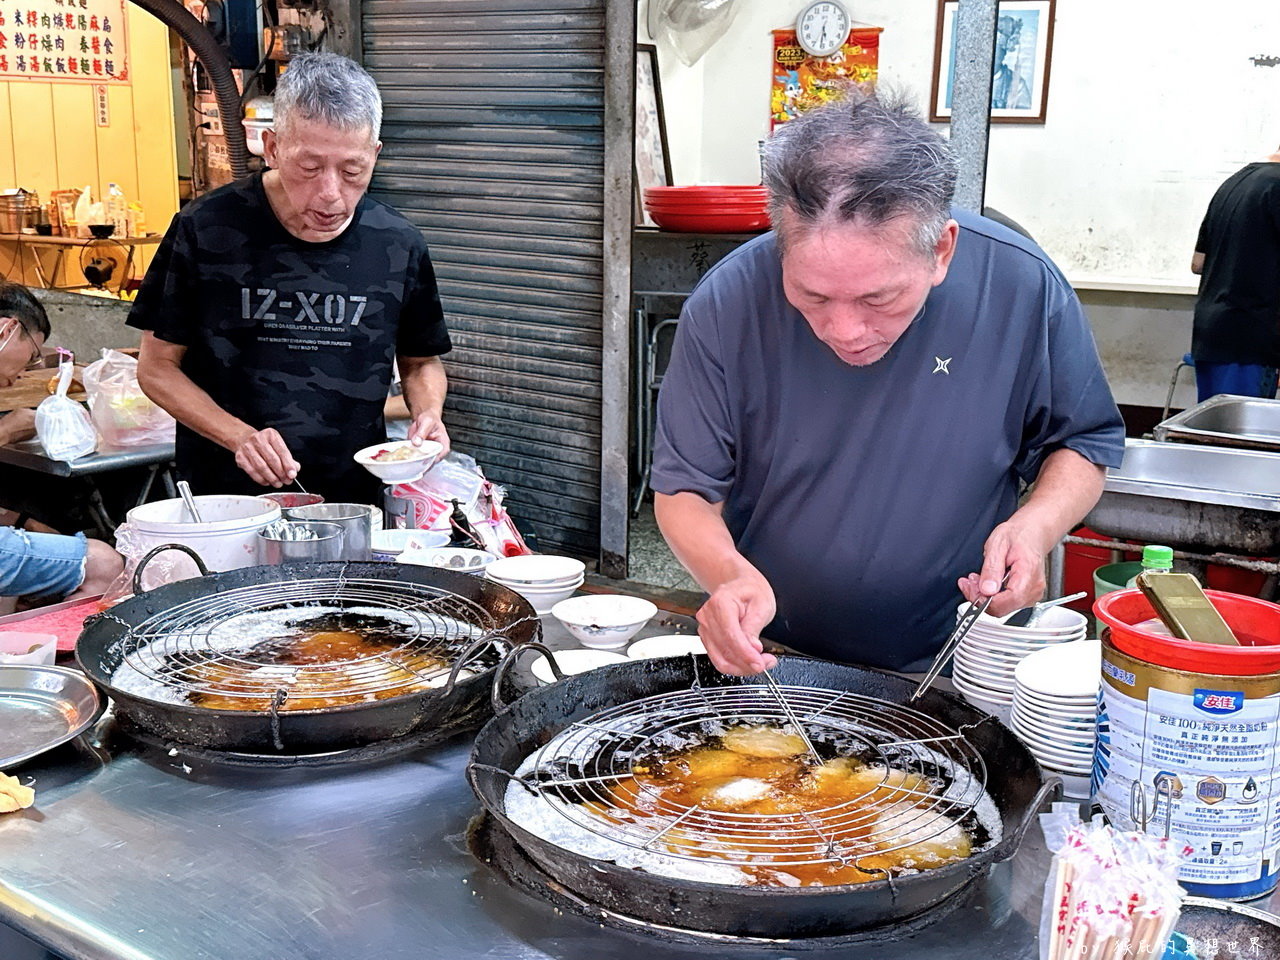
(493, 134)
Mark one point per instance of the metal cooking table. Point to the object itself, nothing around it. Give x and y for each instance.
(30, 455)
(132, 854)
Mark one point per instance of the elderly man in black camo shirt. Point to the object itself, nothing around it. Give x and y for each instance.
(275, 305)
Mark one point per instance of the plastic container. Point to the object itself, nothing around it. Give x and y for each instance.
(22, 647)
(1256, 624)
(1203, 719)
(226, 539)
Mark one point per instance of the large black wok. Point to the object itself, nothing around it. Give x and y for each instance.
(1014, 782)
(106, 639)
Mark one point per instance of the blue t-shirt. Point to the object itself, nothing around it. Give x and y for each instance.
(863, 493)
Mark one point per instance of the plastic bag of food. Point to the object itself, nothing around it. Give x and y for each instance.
(63, 426)
(123, 415)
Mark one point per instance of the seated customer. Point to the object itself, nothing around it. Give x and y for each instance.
(37, 564)
(48, 566)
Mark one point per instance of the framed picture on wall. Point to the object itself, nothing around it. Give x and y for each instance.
(1024, 48)
(652, 158)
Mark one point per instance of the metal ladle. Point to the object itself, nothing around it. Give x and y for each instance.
(184, 489)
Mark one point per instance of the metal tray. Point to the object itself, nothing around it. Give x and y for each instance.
(1228, 931)
(1192, 496)
(42, 707)
(1226, 421)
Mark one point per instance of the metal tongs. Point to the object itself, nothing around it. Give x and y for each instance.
(792, 718)
(971, 614)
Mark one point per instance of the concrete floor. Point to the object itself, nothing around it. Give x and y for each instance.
(649, 561)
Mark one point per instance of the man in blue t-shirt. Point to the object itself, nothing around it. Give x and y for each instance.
(276, 305)
(854, 400)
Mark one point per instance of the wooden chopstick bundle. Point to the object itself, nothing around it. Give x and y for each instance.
(1111, 895)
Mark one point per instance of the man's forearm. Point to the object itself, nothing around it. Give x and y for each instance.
(170, 388)
(1065, 491)
(425, 385)
(14, 428)
(696, 532)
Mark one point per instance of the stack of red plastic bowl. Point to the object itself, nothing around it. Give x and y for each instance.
(711, 209)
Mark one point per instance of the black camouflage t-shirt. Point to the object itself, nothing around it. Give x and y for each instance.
(289, 334)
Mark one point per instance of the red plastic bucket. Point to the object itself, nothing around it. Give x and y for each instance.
(1256, 624)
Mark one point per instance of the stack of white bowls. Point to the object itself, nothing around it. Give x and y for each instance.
(1055, 708)
(541, 579)
(986, 659)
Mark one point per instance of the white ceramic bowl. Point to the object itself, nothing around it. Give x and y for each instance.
(971, 689)
(1072, 670)
(399, 471)
(389, 544)
(542, 598)
(537, 569)
(462, 559)
(667, 645)
(1001, 711)
(604, 621)
(573, 661)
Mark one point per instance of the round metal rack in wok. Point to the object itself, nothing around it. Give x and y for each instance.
(159, 653)
(657, 692)
(591, 768)
(214, 644)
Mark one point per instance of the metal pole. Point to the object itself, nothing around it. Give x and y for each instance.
(619, 138)
(971, 106)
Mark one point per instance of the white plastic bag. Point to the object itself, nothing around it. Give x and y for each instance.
(62, 425)
(123, 415)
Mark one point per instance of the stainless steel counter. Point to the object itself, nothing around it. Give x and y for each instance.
(30, 455)
(132, 854)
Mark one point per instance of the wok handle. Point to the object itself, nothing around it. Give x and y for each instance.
(1049, 791)
(137, 573)
(495, 694)
(467, 655)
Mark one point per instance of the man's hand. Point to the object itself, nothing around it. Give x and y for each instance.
(265, 457)
(730, 623)
(17, 425)
(1017, 548)
(427, 426)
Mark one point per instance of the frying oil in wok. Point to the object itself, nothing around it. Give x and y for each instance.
(322, 660)
(764, 771)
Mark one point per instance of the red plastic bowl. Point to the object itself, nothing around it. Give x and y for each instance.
(1256, 624)
(705, 193)
(703, 222)
(717, 205)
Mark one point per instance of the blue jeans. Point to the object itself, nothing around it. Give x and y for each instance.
(40, 564)
(1242, 379)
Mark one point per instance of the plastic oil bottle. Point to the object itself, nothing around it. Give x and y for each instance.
(1155, 559)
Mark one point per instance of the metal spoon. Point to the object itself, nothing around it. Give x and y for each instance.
(1028, 616)
(184, 489)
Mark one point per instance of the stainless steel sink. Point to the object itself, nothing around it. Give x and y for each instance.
(1228, 421)
(1195, 497)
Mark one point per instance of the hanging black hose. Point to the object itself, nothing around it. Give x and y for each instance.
(214, 60)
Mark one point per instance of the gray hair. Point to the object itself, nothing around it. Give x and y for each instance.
(866, 159)
(332, 89)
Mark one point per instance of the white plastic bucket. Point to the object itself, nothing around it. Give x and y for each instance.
(226, 538)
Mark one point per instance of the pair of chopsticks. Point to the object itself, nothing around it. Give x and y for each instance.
(971, 614)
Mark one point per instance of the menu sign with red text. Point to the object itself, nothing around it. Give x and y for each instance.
(79, 40)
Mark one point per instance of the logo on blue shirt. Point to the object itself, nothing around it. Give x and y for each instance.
(942, 365)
